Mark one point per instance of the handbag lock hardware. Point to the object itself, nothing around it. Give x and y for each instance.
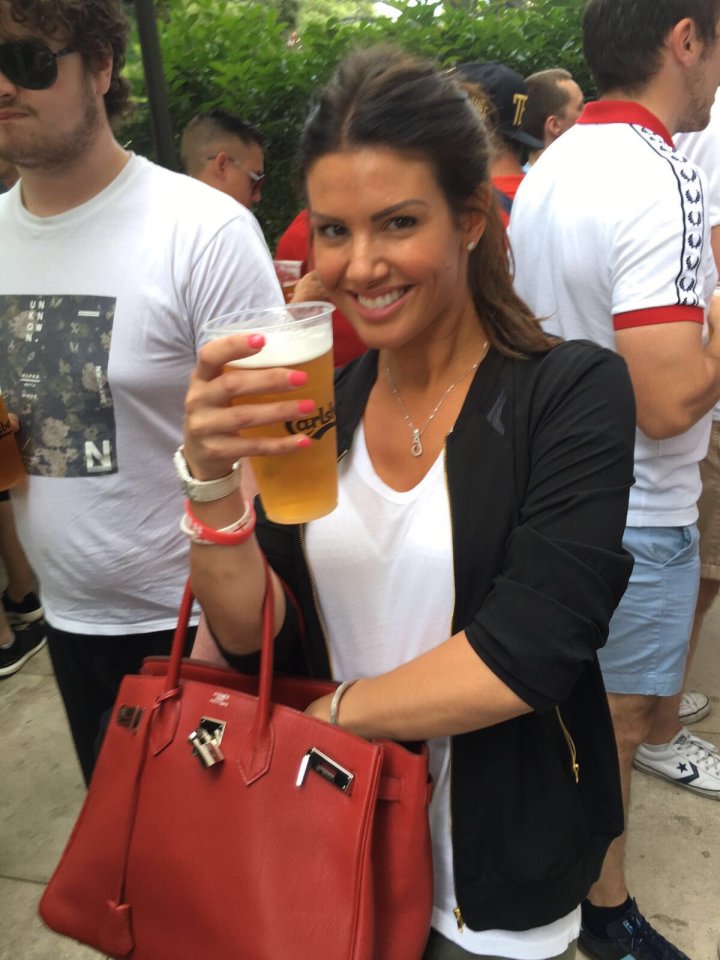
(326, 768)
(129, 717)
(205, 741)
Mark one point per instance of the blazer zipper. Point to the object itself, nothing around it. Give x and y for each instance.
(576, 773)
(571, 746)
(457, 912)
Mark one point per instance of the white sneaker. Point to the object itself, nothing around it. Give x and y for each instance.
(693, 707)
(705, 744)
(684, 761)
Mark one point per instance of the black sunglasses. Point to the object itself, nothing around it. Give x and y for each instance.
(30, 63)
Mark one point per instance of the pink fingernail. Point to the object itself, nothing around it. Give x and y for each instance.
(256, 340)
(297, 378)
(306, 406)
(304, 442)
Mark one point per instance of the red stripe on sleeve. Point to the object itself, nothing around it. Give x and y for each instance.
(646, 318)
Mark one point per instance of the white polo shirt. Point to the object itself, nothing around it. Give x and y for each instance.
(609, 232)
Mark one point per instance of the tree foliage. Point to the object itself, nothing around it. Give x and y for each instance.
(254, 60)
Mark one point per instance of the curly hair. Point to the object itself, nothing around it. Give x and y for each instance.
(92, 27)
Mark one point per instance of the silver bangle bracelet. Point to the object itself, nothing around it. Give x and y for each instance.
(337, 697)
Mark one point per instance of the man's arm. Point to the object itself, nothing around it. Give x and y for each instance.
(676, 380)
(715, 244)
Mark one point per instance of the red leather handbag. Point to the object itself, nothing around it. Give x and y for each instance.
(223, 823)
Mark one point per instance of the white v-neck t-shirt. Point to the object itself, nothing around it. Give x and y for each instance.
(383, 566)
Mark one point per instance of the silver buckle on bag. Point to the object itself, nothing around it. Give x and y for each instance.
(326, 768)
(205, 741)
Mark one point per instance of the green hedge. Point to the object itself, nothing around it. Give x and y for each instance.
(240, 56)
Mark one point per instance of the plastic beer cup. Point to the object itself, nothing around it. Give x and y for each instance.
(12, 470)
(288, 273)
(302, 485)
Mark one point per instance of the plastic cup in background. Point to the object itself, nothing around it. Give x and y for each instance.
(302, 485)
(288, 273)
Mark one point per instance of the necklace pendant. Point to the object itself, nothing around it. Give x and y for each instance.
(417, 448)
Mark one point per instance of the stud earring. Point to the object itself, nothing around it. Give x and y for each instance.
(471, 246)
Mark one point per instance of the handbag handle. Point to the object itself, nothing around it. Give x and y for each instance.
(255, 758)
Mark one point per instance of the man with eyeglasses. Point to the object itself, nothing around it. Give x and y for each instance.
(110, 266)
(226, 153)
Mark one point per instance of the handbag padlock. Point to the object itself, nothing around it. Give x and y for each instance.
(205, 741)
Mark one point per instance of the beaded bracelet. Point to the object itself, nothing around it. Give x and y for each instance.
(231, 536)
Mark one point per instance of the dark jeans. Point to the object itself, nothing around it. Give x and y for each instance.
(88, 670)
(439, 948)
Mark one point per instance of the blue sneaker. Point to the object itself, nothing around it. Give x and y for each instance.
(631, 938)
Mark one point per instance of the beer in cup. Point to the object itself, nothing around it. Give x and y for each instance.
(11, 465)
(288, 273)
(302, 485)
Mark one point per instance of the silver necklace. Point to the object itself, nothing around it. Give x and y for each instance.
(417, 448)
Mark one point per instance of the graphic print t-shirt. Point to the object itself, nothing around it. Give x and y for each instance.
(57, 350)
(101, 310)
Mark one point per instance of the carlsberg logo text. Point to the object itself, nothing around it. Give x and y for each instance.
(315, 426)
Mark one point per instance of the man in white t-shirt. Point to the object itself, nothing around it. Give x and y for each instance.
(110, 266)
(612, 244)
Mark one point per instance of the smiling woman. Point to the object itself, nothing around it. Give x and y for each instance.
(453, 144)
(467, 577)
(397, 270)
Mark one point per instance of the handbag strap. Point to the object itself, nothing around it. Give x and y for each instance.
(172, 677)
(267, 651)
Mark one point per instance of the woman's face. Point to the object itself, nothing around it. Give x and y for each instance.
(388, 249)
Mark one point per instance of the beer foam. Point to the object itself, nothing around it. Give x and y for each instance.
(284, 348)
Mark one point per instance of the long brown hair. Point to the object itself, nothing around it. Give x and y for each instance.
(384, 97)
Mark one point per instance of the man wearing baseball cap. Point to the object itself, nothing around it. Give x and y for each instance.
(508, 94)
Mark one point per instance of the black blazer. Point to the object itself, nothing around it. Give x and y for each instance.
(539, 465)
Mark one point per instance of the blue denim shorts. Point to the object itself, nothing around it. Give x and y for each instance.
(650, 630)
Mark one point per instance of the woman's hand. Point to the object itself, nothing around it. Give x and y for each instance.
(219, 404)
(309, 287)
